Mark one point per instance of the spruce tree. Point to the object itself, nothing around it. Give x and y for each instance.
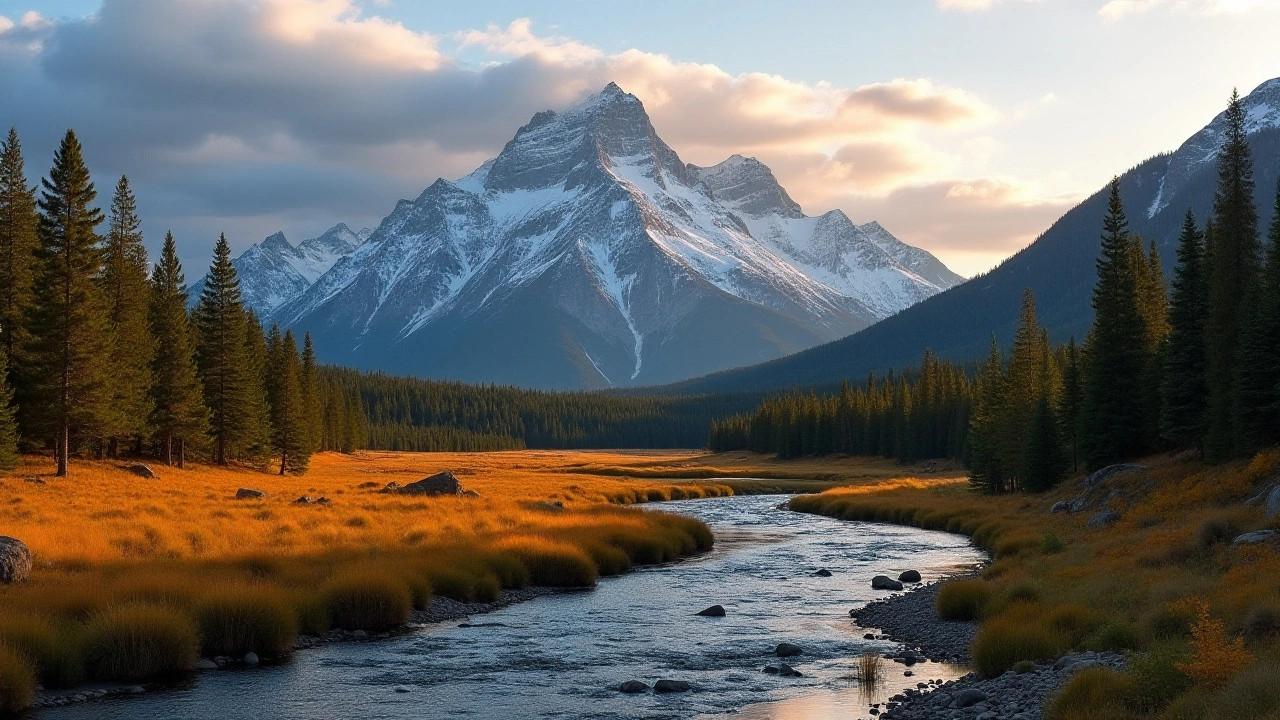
(1114, 427)
(229, 385)
(1232, 270)
(8, 421)
(1070, 406)
(1024, 384)
(1044, 461)
(68, 323)
(1153, 306)
(257, 448)
(1184, 390)
(310, 387)
(124, 284)
(1256, 412)
(290, 426)
(178, 414)
(19, 224)
(986, 469)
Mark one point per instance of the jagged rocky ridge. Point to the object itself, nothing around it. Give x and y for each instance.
(588, 255)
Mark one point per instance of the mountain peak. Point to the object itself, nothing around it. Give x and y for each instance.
(277, 242)
(747, 185)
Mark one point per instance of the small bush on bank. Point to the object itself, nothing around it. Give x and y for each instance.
(1091, 694)
(140, 642)
(17, 681)
(465, 585)
(1014, 542)
(550, 563)
(54, 652)
(1215, 656)
(1156, 677)
(963, 599)
(1116, 636)
(1017, 634)
(1052, 544)
(1254, 693)
(239, 620)
(1073, 621)
(609, 560)
(511, 573)
(367, 601)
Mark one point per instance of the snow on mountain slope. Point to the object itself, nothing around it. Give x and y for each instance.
(587, 254)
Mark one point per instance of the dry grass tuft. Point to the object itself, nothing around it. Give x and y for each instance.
(17, 681)
(868, 670)
(963, 599)
(140, 642)
(367, 601)
(237, 620)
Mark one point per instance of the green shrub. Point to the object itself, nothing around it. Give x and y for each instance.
(17, 681)
(239, 620)
(1022, 592)
(1014, 636)
(367, 601)
(140, 642)
(1091, 693)
(963, 599)
(53, 651)
(1052, 544)
(1168, 622)
(1116, 636)
(1073, 621)
(1157, 679)
(1022, 667)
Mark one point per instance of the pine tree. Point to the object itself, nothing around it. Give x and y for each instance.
(257, 448)
(68, 321)
(1232, 270)
(124, 284)
(1024, 384)
(290, 426)
(1114, 427)
(8, 421)
(1184, 390)
(987, 472)
(178, 413)
(1071, 404)
(1153, 306)
(229, 385)
(1044, 461)
(310, 387)
(19, 224)
(1256, 412)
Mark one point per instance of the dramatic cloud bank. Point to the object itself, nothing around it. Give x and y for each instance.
(254, 116)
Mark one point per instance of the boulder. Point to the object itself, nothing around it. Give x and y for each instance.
(249, 494)
(1060, 507)
(1078, 505)
(884, 582)
(786, 670)
(671, 686)
(909, 576)
(445, 483)
(632, 687)
(1273, 503)
(251, 658)
(206, 664)
(770, 670)
(1104, 518)
(1109, 472)
(823, 573)
(142, 471)
(787, 649)
(15, 560)
(713, 611)
(1256, 537)
(968, 698)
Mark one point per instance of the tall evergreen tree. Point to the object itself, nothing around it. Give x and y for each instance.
(8, 421)
(178, 414)
(290, 426)
(1115, 368)
(1025, 382)
(1184, 391)
(68, 322)
(1044, 461)
(257, 448)
(19, 222)
(229, 385)
(1070, 406)
(310, 387)
(124, 284)
(1153, 307)
(1256, 412)
(1232, 269)
(987, 471)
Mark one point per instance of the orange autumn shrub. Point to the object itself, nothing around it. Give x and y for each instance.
(1216, 658)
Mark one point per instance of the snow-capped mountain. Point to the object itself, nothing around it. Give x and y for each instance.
(275, 271)
(587, 255)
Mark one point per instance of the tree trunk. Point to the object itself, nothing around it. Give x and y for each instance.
(222, 452)
(168, 450)
(60, 449)
(283, 457)
(182, 454)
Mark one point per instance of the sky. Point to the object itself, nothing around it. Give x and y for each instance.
(965, 127)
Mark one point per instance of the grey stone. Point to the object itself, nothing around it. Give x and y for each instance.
(884, 582)
(671, 686)
(909, 576)
(770, 670)
(249, 494)
(1078, 505)
(1060, 507)
(444, 483)
(1104, 518)
(251, 658)
(632, 687)
(142, 471)
(360, 635)
(1256, 537)
(786, 670)
(787, 649)
(823, 573)
(402, 689)
(713, 611)
(1273, 503)
(1109, 472)
(968, 698)
(136, 690)
(206, 664)
(15, 560)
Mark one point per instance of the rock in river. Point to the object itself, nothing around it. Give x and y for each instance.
(632, 687)
(787, 649)
(671, 686)
(884, 582)
(823, 573)
(713, 611)
(15, 560)
(909, 576)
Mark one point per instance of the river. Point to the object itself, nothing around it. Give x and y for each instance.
(563, 656)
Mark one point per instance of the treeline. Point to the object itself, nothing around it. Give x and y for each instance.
(1188, 367)
(400, 413)
(101, 357)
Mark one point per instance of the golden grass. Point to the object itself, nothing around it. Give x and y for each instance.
(1059, 585)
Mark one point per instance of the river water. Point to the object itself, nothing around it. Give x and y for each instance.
(563, 656)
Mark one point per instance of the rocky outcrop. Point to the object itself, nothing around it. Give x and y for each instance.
(444, 483)
(142, 471)
(15, 560)
(632, 687)
(1104, 518)
(884, 582)
(671, 686)
(787, 649)
(249, 494)
(713, 611)
(909, 576)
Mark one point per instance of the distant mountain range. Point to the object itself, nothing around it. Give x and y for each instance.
(588, 255)
(1059, 267)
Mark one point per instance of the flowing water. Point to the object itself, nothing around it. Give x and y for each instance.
(563, 656)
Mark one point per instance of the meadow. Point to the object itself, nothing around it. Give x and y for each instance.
(1199, 615)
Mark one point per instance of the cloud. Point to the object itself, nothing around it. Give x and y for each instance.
(1118, 9)
(303, 113)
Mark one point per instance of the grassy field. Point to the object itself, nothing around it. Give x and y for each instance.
(1165, 581)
